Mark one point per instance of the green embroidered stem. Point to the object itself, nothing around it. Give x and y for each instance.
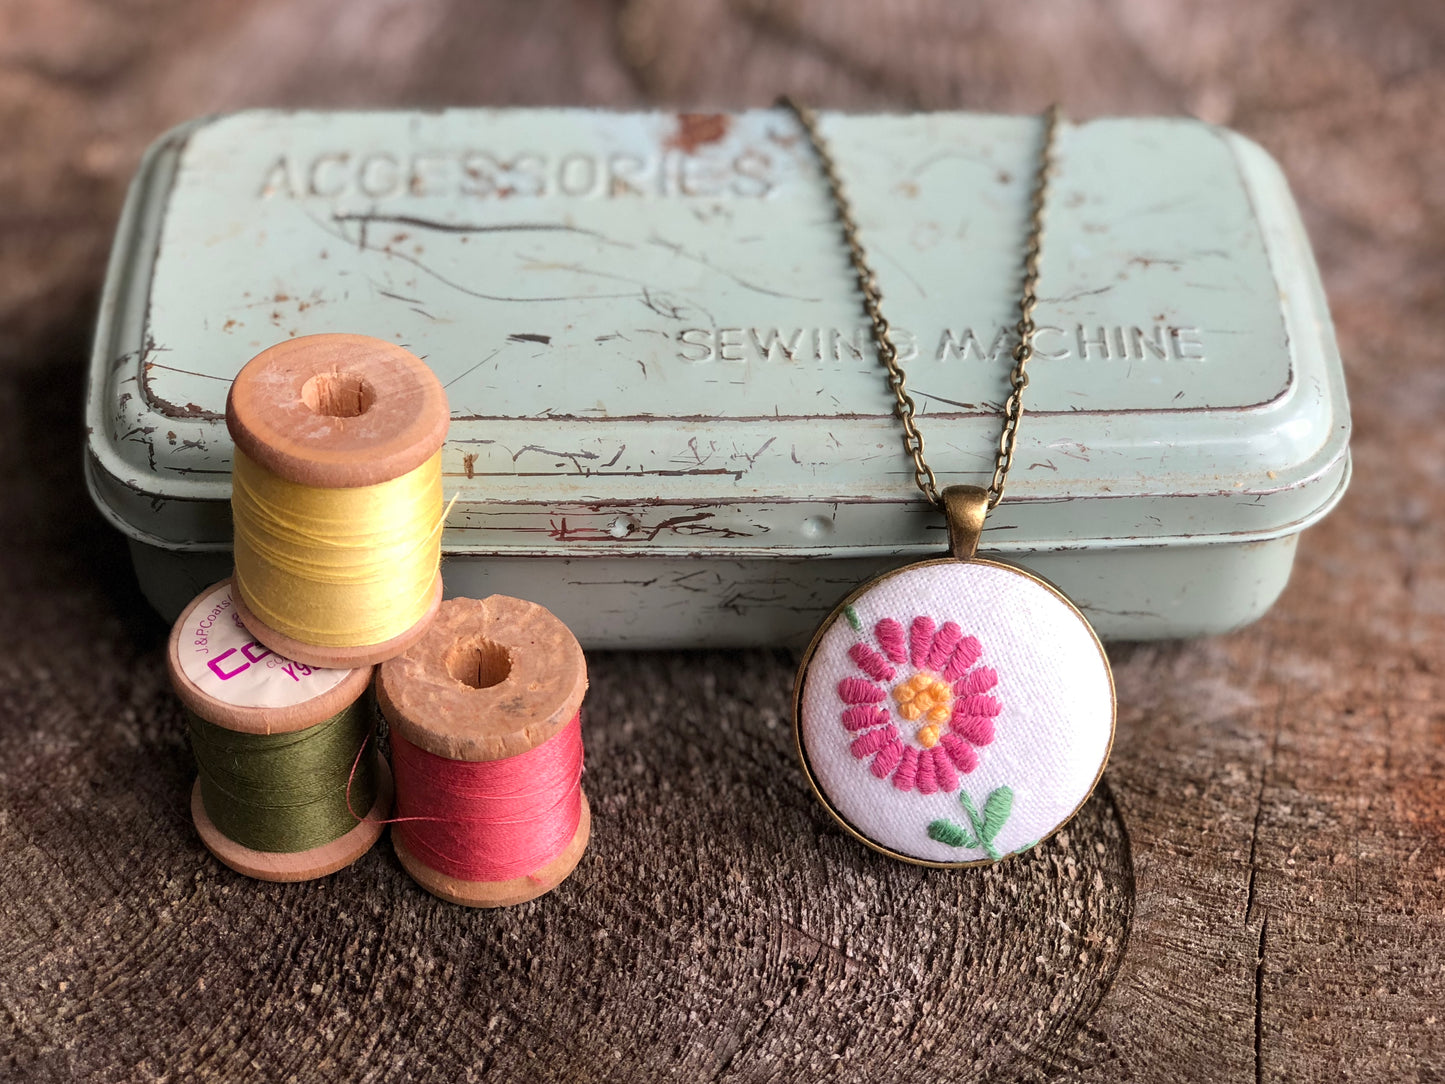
(986, 826)
(979, 825)
(852, 616)
(286, 792)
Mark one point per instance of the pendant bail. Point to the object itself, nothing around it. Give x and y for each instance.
(965, 507)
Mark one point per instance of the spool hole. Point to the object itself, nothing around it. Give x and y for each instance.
(480, 664)
(338, 395)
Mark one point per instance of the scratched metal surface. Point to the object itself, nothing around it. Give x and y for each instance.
(652, 345)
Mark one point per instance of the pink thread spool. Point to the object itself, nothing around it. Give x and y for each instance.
(483, 712)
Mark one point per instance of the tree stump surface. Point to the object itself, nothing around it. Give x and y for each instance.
(1257, 891)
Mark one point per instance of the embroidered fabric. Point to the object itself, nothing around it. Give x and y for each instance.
(961, 711)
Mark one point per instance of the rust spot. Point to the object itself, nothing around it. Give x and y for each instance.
(280, 297)
(174, 410)
(165, 406)
(908, 189)
(1004, 176)
(695, 130)
(1147, 262)
(469, 464)
(685, 525)
(228, 325)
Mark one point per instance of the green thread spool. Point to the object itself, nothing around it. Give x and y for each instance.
(275, 744)
(286, 792)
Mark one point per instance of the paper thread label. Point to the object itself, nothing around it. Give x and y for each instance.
(222, 658)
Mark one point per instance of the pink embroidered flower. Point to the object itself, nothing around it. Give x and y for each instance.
(921, 706)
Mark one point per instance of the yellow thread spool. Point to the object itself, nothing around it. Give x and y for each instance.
(337, 498)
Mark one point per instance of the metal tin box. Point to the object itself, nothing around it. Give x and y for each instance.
(669, 425)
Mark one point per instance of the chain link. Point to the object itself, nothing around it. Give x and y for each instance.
(1023, 351)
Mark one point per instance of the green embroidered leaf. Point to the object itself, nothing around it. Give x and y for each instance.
(950, 834)
(995, 812)
(852, 616)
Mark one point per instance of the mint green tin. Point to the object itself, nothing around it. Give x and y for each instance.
(668, 422)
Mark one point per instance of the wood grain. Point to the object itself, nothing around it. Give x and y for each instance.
(1258, 891)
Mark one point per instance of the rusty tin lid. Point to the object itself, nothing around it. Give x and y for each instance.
(651, 340)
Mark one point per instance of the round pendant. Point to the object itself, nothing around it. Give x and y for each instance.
(954, 712)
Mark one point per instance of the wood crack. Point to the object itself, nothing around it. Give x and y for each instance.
(1259, 1003)
(1264, 774)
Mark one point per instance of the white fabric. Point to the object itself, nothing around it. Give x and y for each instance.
(221, 658)
(1051, 736)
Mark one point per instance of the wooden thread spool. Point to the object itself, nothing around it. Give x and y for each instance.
(327, 414)
(492, 679)
(231, 681)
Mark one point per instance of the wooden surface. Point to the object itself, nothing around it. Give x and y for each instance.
(1256, 893)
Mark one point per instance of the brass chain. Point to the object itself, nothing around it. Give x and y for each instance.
(1023, 351)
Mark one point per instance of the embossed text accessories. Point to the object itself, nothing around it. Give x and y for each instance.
(957, 710)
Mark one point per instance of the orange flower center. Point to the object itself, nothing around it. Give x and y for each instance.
(928, 699)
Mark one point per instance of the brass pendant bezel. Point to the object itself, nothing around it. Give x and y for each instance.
(837, 614)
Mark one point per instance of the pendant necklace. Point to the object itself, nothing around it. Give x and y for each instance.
(957, 710)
